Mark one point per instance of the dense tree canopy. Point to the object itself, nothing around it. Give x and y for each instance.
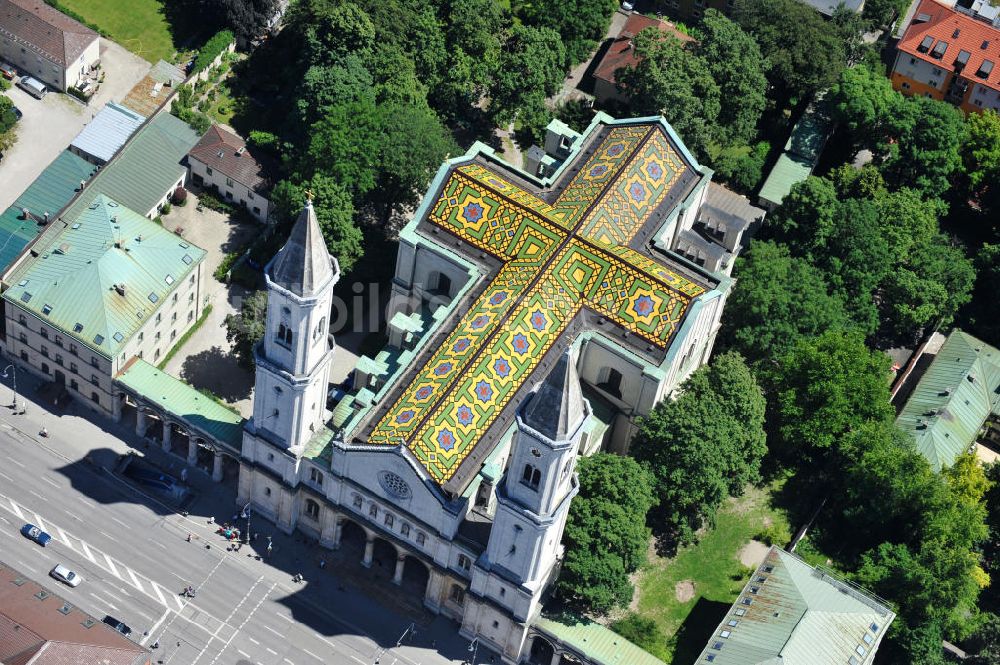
(791, 35)
(928, 137)
(823, 388)
(580, 23)
(778, 299)
(735, 62)
(669, 81)
(248, 18)
(531, 69)
(606, 535)
(703, 446)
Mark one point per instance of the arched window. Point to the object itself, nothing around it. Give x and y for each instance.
(318, 334)
(611, 382)
(565, 469)
(285, 327)
(531, 476)
(457, 594)
(312, 509)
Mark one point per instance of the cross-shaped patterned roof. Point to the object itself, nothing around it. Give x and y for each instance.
(556, 258)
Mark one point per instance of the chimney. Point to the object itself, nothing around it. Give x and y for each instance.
(25, 213)
(120, 288)
(46, 217)
(82, 183)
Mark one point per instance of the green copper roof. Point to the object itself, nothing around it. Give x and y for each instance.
(51, 190)
(594, 642)
(74, 281)
(787, 171)
(802, 151)
(177, 398)
(953, 399)
(793, 614)
(145, 169)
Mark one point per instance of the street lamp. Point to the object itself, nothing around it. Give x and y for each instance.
(410, 631)
(14, 372)
(245, 514)
(474, 650)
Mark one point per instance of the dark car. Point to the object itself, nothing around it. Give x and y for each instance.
(34, 533)
(118, 625)
(17, 112)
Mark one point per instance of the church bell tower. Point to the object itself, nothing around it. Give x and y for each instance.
(293, 360)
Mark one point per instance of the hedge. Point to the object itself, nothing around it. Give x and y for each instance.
(211, 50)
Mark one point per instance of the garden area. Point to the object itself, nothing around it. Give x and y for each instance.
(687, 595)
(143, 29)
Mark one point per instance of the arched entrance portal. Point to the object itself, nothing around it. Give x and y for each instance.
(415, 577)
(542, 651)
(384, 559)
(352, 542)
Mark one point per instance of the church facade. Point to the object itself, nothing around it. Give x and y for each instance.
(535, 318)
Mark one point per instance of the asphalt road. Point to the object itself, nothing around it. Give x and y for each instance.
(135, 560)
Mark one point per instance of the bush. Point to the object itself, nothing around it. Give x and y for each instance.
(774, 535)
(213, 203)
(227, 263)
(212, 48)
(742, 167)
(640, 631)
(180, 196)
(166, 208)
(4, 84)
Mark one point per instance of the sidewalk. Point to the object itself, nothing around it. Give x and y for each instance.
(342, 592)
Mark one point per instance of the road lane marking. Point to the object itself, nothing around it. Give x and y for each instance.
(155, 627)
(107, 535)
(243, 653)
(11, 459)
(24, 565)
(73, 516)
(240, 628)
(51, 482)
(135, 580)
(103, 601)
(310, 653)
(63, 538)
(286, 618)
(5, 521)
(163, 601)
(36, 494)
(38, 522)
(8, 478)
(272, 630)
(17, 510)
(87, 553)
(253, 640)
(111, 565)
(122, 523)
(289, 662)
(272, 651)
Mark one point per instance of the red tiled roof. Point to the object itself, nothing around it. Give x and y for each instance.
(621, 54)
(45, 30)
(47, 630)
(218, 150)
(959, 32)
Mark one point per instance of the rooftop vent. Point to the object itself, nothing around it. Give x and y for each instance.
(985, 45)
(221, 154)
(25, 213)
(82, 184)
(120, 288)
(78, 328)
(955, 34)
(241, 150)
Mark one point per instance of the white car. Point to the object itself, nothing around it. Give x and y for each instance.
(65, 575)
(627, 6)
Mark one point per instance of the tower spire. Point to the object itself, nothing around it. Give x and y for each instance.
(557, 408)
(303, 265)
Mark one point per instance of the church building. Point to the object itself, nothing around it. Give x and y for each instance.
(535, 318)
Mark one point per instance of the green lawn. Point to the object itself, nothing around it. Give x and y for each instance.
(714, 569)
(142, 27)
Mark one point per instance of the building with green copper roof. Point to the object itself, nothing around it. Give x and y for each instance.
(48, 194)
(957, 394)
(587, 641)
(100, 287)
(801, 154)
(146, 170)
(795, 614)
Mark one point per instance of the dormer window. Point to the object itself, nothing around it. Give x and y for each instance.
(985, 69)
(939, 49)
(925, 44)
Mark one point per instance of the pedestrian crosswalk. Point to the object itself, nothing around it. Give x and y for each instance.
(95, 556)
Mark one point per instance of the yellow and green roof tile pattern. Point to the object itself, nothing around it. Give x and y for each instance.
(556, 260)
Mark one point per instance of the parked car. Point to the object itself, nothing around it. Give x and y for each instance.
(32, 532)
(8, 71)
(65, 575)
(17, 112)
(118, 625)
(33, 87)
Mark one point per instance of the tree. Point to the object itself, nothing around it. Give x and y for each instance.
(412, 146)
(778, 299)
(981, 312)
(925, 154)
(824, 387)
(981, 152)
(330, 30)
(580, 24)
(803, 54)
(531, 69)
(248, 18)
(742, 166)
(475, 33)
(326, 86)
(670, 81)
(7, 116)
(985, 642)
(641, 631)
(864, 101)
(245, 329)
(345, 144)
(704, 446)
(606, 535)
(808, 216)
(735, 62)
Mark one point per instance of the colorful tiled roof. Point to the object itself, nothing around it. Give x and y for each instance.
(48, 193)
(952, 400)
(45, 30)
(621, 52)
(561, 251)
(944, 37)
(72, 282)
(227, 153)
(795, 614)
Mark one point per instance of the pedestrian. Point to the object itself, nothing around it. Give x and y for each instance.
(211, 520)
(156, 644)
(184, 475)
(322, 563)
